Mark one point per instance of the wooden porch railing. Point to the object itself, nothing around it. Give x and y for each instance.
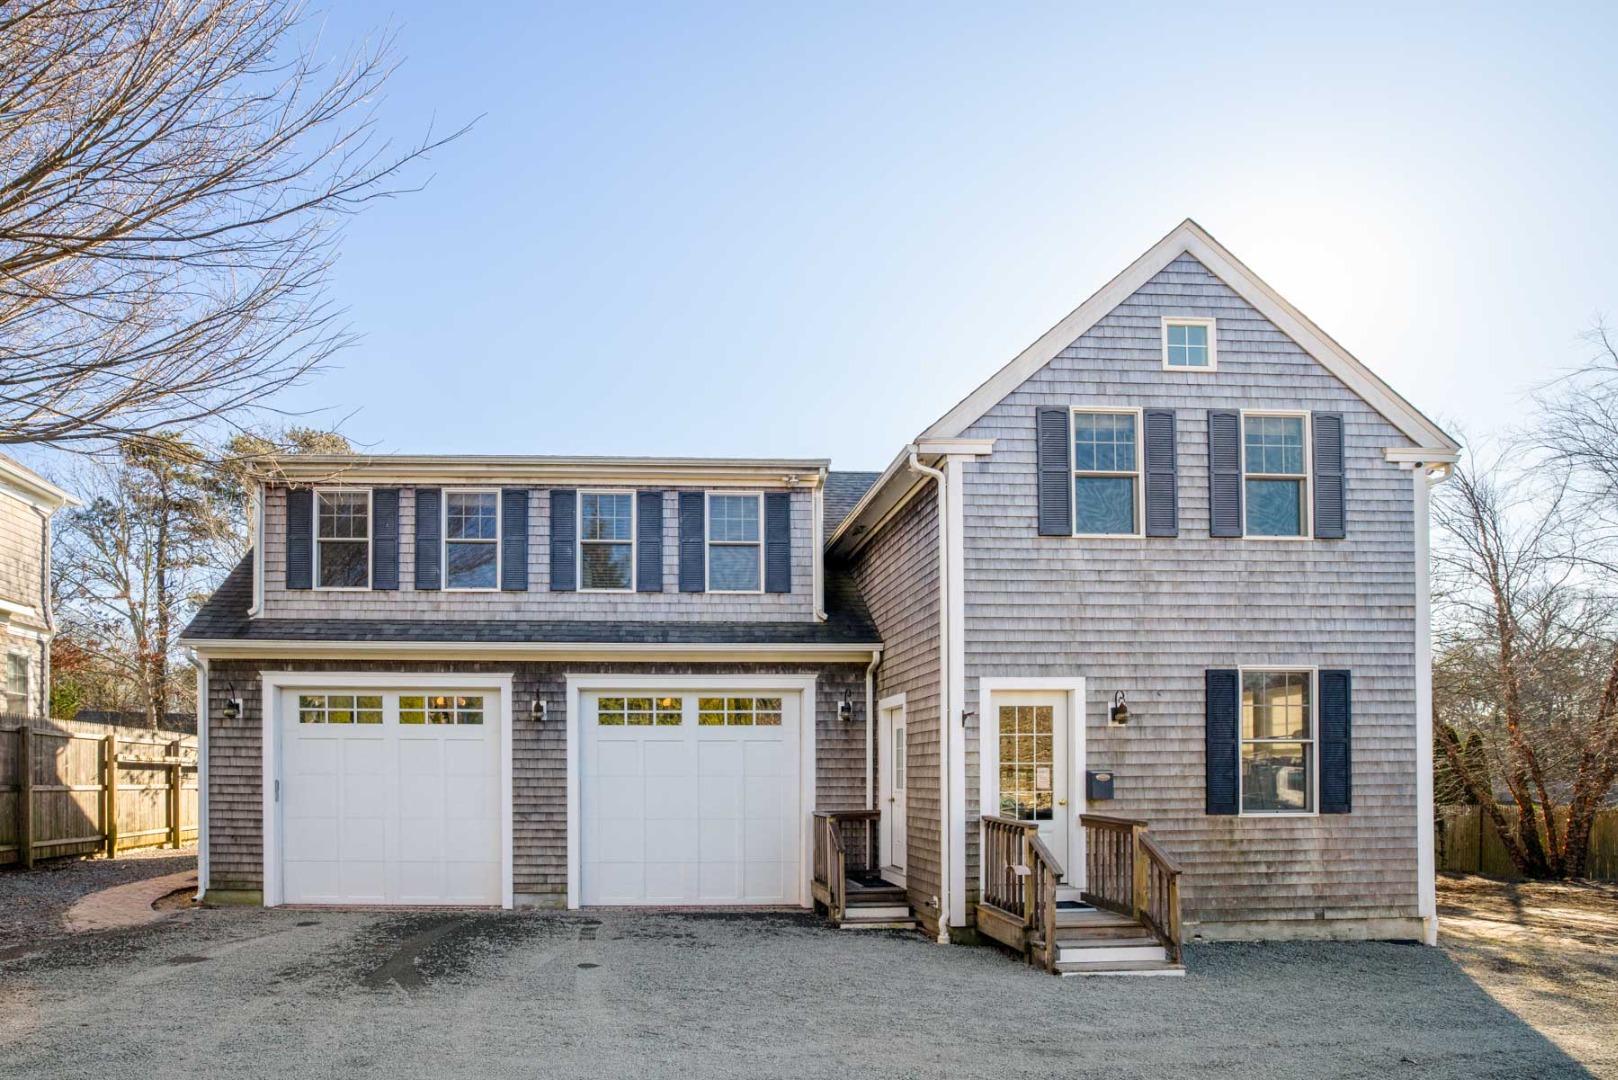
(1018, 905)
(844, 840)
(1127, 872)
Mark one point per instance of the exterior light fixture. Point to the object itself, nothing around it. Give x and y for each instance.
(845, 708)
(538, 709)
(232, 709)
(1120, 708)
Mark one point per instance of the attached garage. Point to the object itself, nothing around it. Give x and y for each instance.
(388, 794)
(691, 793)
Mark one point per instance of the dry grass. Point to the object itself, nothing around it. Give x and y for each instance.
(1548, 951)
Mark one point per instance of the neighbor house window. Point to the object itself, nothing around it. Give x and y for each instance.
(343, 539)
(1275, 470)
(17, 698)
(1278, 747)
(1188, 344)
(1106, 473)
(440, 708)
(606, 540)
(471, 539)
(734, 555)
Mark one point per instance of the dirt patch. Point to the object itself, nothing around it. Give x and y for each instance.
(1548, 951)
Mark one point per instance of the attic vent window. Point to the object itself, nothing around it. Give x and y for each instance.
(1189, 345)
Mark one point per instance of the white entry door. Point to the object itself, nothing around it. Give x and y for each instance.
(1031, 770)
(390, 796)
(894, 768)
(690, 797)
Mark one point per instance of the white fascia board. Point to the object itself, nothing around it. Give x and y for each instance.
(1421, 455)
(519, 650)
(894, 488)
(1190, 238)
(34, 490)
(447, 469)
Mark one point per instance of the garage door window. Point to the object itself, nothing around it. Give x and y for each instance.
(339, 709)
(640, 711)
(739, 711)
(441, 708)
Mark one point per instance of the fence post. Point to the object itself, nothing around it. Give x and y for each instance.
(25, 795)
(109, 759)
(174, 803)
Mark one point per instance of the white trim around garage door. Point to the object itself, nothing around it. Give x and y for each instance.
(804, 685)
(989, 759)
(276, 681)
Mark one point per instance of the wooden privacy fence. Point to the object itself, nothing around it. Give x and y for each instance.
(76, 792)
(1467, 842)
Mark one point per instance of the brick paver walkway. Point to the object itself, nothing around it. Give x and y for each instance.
(126, 905)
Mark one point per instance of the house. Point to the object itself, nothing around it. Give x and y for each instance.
(1129, 646)
(27, 503)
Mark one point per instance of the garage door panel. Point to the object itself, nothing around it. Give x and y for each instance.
(761, 796)
(617, 759)
(716, 759)
(719, 882)
(668, 797)
(761, 838)
(672, 839)
(720, 797)
(668, 882)
(622, 840)
(761, 879)
(719, 840)
(667, 758)
(389, 812)
(761, 758)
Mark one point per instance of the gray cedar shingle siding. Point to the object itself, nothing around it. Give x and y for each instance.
(538, 602)
(539, 760)
(897, 574)
(1149, 616)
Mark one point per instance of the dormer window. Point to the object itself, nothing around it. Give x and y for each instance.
(472, 539)
(606, 540)
(343, 539)
(1189, 345)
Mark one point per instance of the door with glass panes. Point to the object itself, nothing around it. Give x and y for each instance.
(1031, 770)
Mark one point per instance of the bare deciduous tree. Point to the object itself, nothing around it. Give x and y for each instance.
(173, 174)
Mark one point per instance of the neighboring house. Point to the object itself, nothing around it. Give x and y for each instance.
(632, 681)
(27, 502)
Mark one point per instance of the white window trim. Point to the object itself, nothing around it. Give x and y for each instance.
(1213, 346)
(1308, 509)
(370, 518)
(708, 544)
(27, 692)
(1313, 740)
(499, 536)
(634, 536)
(1139, 474)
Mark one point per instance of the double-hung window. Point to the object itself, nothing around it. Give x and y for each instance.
(1278, 742)
(735, 551)
(17, 696)
(1275, 470)
(1106, 473)
(606, 540)
(471, 539)
(1188, 345)
(343, 539)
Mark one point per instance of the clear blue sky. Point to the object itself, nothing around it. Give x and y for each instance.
(810, 229)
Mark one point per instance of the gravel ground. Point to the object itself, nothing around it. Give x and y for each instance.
(311, 994)
(32, 902)
(1548, 951)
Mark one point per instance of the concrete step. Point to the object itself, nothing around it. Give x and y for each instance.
(877, 911)
(877, 924)
(1127, 967)
(1108, 950)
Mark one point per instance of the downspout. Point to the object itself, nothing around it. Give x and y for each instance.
(202, 770)
(817, 528)
(945, 711)
(870, 731)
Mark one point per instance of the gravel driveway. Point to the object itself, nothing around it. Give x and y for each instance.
(309, 994)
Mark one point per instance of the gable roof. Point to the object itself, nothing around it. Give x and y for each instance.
(1190, 238)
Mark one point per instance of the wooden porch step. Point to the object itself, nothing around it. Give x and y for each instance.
(885, 894)
(1094, 919)
(1126, 967)
(877, 911)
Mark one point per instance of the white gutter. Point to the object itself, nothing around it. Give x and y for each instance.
(817, 526)
(202, 770)
(870, 732)
(946, 712)
(284, 648)
(255, 533)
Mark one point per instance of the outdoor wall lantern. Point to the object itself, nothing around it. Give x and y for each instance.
(845, 708)
(538, 709)
(1120, 708)
(233, 708)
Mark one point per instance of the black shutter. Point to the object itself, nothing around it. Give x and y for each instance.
(1336, 742)
(1053, 432)
(385, 538)
(1329, 512)
(778, 541)
(1224, 713)
(649, 542)
(514, 539)
(1162, 478)
(300, 538)
(429, 539)
(564, 540)
(1224, 472)
(693, 540)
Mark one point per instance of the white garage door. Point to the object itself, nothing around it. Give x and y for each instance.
(691, 798)
(390, 796)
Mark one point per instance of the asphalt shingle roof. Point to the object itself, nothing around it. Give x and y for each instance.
(843, 491)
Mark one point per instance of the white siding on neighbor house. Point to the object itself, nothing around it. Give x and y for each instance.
(1149, 616)
(24, 581)
(538, 602)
